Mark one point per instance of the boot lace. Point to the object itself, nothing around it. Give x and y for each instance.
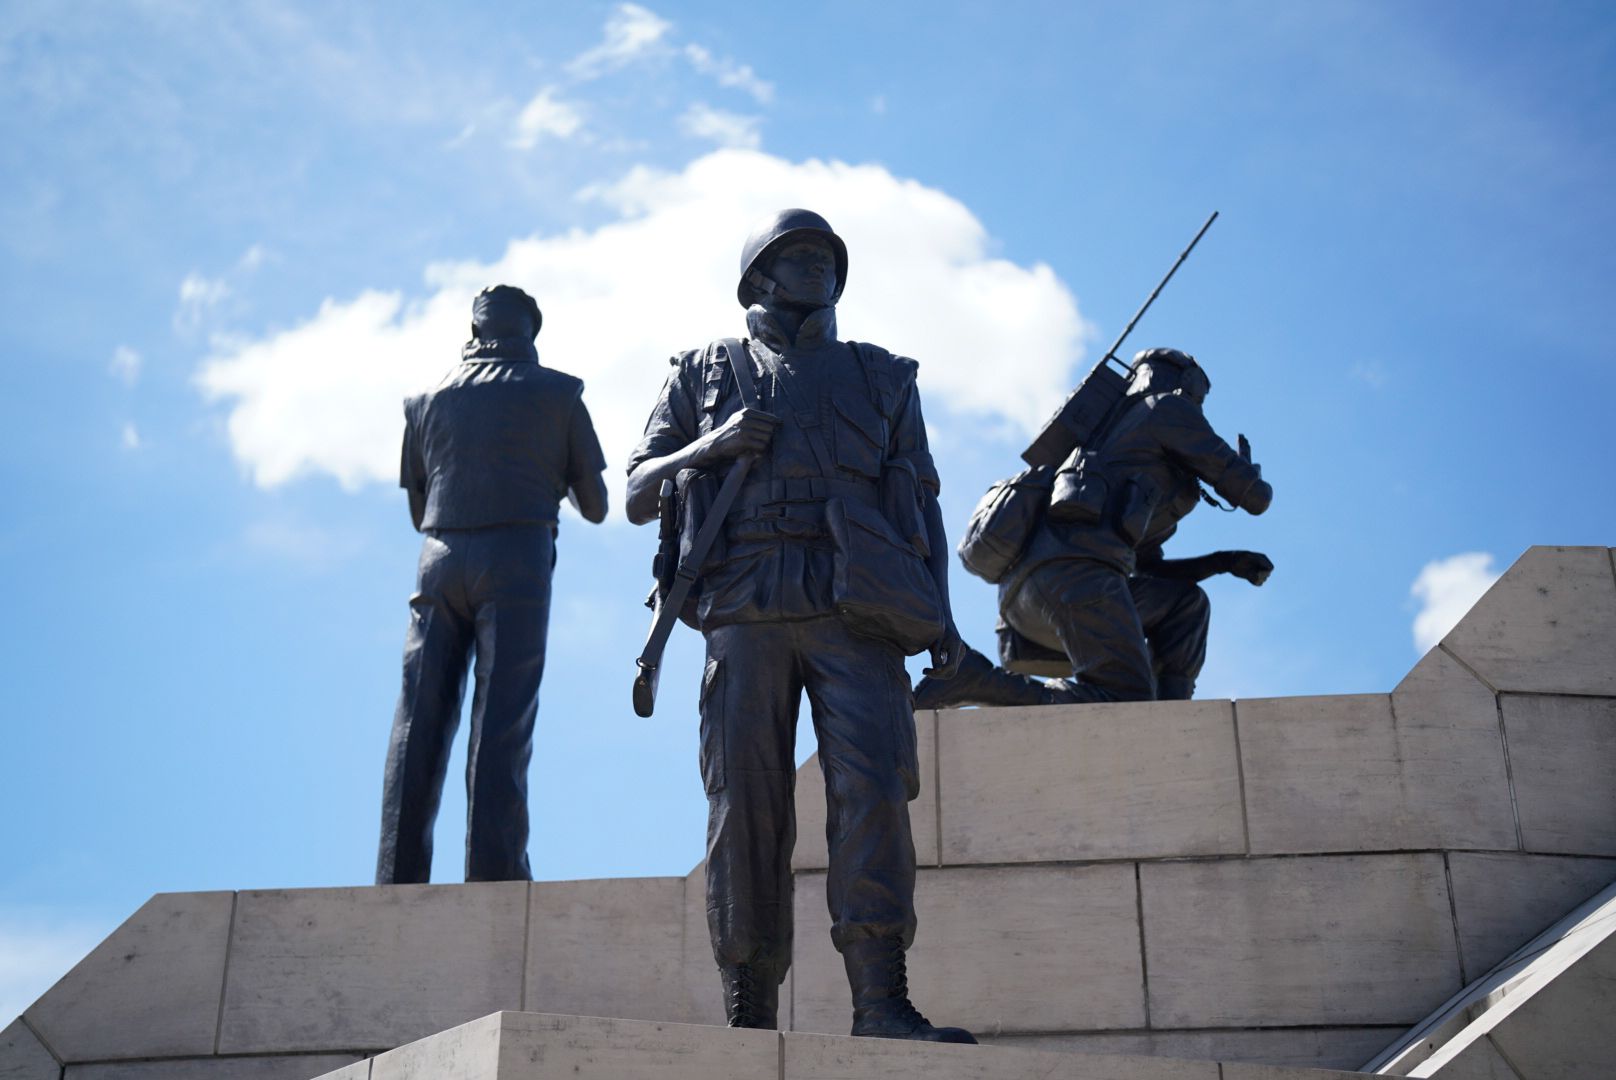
(744, 1006)
(898, 979)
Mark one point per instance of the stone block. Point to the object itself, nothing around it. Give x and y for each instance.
(1565, 1028)
(1422, 768)
(999, 949)
(1547, 626)
(151, 989)
(608, 948)
(1503, 901)
(1068, 783)
(1479, 1061)
(1334, 940)
(811, 852)
(359, 1070)
(1563, 754)
(282, 1067)
(338, 969)
(23, 1057)
(534, 1046)
(1318, 1048)
(1243, 1071)
(831, 1057)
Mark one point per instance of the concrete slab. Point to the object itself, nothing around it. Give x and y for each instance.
(1563, 754)
(1333, 940)
(1014, 948)
(1502, 901)
(359, 1070)
(608, 948)
(1422, 768)
(336, 969)
(285, 1067)
(466, 1052)
(1319, 1048)
(831, 1057)
(1565, 1028)
(151, 989)
(23, 1057)
(1067, 783)
(811, 852)
(1479, 1061)
(1241, 1071)
(1547, 626)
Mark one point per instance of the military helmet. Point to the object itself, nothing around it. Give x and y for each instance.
(779, 230)
(1171, 369)
(499, 310)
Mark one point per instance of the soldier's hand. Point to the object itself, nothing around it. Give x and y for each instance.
(746, 432)
(1252, 566)
(946, 653)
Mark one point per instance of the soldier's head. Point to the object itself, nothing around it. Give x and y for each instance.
(505, 312)
(794, 259)
(1161, 371)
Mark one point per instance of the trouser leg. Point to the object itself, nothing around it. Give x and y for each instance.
(865, 725)
(436, 651)
(511, 627)
(750, 691)
(1176, 616)
(1087, 610)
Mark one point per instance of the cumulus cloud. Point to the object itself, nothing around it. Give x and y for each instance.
(631, 32)
(126, 365)
(728, 73)
(545, 116)
(1446, 589)
(323, 396)
(702, 121)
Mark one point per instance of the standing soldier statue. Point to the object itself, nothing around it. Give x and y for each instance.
(1074, 590)
(831, 565)
(488, 456)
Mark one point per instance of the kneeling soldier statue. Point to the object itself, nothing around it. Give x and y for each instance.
(830, 567)
(1091, 585)
(488, 456)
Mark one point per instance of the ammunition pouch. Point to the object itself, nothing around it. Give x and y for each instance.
(880, 586)
(1080, 493)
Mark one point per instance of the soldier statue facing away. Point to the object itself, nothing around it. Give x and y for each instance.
(830, 567)
(488, 456)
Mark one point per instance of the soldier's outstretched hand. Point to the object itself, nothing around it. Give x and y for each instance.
(1252, 566)
(746, 432)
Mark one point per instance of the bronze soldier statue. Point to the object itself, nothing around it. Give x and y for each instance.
(1091, 585)
(488, 456)
(832, 564)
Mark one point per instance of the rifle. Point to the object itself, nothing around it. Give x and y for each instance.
(668, 604)
(1086, 408)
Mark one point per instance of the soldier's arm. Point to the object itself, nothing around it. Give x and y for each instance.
(1186, 435)
(909, 442)
(586, 486)
(1252, 566)
(412, 470)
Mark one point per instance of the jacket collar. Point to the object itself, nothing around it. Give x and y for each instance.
(818, 330)
(499, 350)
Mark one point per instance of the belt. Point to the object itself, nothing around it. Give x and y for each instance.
(771, 498)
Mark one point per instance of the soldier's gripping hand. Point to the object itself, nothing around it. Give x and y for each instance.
(746, 432)
(946, 653)
(1252, 566)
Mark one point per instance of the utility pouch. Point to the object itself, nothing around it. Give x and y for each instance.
(901, 504)
(1080, 492)
(880, 586)
(1135, 510)
(695, 490)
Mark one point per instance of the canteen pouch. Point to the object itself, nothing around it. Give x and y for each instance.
(1080, 491)
(880, 586)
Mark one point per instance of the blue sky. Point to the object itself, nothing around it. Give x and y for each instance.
(233, 236)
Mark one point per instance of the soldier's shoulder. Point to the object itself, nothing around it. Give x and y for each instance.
(903, 367)
(560, 381)
(1177, 407)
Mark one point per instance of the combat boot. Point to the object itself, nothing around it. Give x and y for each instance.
(980, 682)
(877, 972)
(751, 996)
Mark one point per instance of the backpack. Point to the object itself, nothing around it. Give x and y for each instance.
(1003, 523)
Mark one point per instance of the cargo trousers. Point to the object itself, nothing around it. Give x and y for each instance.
(858, 691)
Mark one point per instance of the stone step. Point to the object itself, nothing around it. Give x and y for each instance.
(1545, 1010)
(536, 1046)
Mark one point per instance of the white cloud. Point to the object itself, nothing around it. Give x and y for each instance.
(126, 364)
(544, 116)
(702, 121)
(1446, 589)
(996, 341)
(35, 952)
(252, 259)
(729, 74)
(631, 32)
(131, 437)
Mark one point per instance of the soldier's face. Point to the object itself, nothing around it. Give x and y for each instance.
(804, 274)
